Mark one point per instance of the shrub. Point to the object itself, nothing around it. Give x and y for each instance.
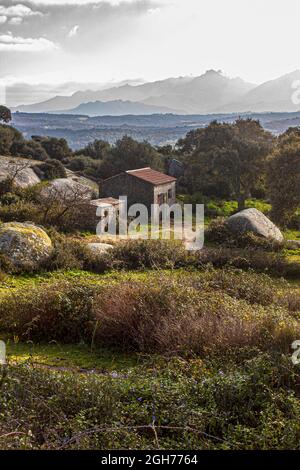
(222, 405)
(274, 264)
(20, 211)
(219, 233)
(60, 312)
(176, 318)
(166, 315)
(70, 253)
(252, 287)
(139, 254)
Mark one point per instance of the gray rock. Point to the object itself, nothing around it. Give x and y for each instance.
(66, 189)
(252, 220)
(20, 169)
(24, 244)
(99, 247)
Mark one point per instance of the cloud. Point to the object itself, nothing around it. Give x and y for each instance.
(8, 42)
(16, 20)
(3, 19)
(153, 11)
(73, 32)
(80, 2)
(18, 11)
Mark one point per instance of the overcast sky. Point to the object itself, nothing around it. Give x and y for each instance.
(57, 41)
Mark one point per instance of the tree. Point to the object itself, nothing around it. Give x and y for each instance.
(283, 181)
(57, 149)
(28, 149)
(50, 170)
(98, 150)
(5, 114)
(8, 138)
(128, 154)
(228, 156)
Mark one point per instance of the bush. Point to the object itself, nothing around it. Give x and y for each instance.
(70, 253)
(274, 264)
(252, 287)
(219, 233)
(225, 405)
(140, 254)
(166, 315)
(20, 211)
(60, 312)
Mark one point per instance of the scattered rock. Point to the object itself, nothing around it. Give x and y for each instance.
(99, 247)
(67, 189)
(252, 220)
(24, 244)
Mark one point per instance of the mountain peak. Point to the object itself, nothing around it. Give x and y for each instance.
(213, 73)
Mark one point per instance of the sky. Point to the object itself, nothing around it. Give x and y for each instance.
(64, 43)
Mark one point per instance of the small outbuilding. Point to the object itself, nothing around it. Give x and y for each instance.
(143, 186)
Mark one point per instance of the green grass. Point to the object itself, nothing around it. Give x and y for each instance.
(74, 397)
(291, 234)
(70, 356)
(31, 280)
(223, 208)
(243, 402)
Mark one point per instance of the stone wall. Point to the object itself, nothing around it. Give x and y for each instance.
(137, 190)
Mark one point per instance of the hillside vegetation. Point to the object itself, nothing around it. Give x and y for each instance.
(148, 345)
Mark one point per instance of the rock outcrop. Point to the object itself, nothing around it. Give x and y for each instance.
(67, 189)
(99, 247)
(252, 220)
(24, 244)
(20, 170)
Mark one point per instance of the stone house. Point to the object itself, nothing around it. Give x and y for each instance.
(144, 186)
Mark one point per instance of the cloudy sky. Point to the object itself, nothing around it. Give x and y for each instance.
(66, 42)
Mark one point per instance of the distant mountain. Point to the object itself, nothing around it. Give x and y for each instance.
(272, 96)
(190, 95)
(118, 108)
(212, 92)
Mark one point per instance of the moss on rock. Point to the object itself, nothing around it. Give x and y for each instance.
(24, 244)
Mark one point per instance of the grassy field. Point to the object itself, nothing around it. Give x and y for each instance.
(197, 356)
(239, 392)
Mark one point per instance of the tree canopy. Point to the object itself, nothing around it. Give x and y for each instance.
(227, 157)
(5, 114)
(284, 176)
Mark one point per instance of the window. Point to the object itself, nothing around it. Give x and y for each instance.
(170, 194)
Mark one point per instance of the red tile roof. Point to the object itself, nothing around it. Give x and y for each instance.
(151, 176)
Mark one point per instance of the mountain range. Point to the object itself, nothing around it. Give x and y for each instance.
(212, 92)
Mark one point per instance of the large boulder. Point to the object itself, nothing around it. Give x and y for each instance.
(24, 244)
(99, 248)
(20, 169)
(252, 220)
(65, 189)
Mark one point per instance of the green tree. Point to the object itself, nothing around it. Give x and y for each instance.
(5, 114)
(9, 137)
(228, 156)
(57, 149)
(129, 154)
(283, 181)
(99, 150)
